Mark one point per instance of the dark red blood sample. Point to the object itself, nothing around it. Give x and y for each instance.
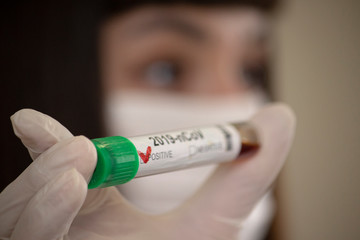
(248, 148)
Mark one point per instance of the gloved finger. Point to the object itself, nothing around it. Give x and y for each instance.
(235, 187)
(57, 203)
(77, 152)
(37, 131)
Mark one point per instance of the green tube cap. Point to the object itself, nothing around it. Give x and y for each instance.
(118, 162)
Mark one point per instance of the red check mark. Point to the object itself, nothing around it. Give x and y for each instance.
(146, 157)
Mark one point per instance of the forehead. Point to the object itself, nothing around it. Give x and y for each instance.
(211, 21)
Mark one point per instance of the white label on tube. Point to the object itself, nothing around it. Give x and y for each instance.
(165, 152)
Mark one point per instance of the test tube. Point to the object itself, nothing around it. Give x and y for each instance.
(121, 159)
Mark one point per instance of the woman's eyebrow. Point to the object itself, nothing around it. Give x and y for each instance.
(166, 23)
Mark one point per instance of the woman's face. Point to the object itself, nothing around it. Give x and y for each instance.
(183, 49)
(167, 68)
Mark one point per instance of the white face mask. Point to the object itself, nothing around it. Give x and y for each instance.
(133, 112)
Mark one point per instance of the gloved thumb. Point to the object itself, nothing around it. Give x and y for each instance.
(233, 190)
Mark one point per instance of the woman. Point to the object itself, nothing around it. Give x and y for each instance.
(155, 60)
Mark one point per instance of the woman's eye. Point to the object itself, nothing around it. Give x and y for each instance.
(161, 73)
(254, 76)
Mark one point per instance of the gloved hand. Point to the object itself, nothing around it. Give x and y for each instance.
(50, 199)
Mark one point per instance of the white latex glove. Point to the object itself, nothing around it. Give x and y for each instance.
(50, 200)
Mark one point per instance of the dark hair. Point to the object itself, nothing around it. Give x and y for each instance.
(49, 63)
(116, 6)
